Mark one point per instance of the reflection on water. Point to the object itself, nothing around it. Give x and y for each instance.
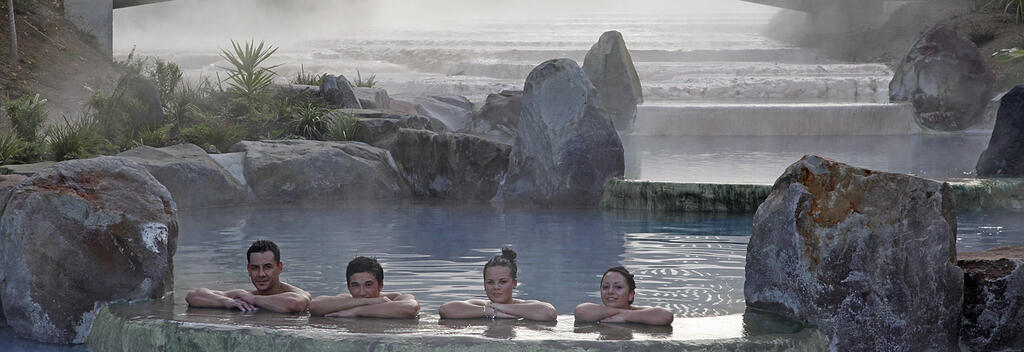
(982, 231)
(761, 159)
(691, 264)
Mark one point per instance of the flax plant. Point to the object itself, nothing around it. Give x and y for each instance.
(247, 79)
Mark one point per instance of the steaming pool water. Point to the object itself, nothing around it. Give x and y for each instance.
(691, 264)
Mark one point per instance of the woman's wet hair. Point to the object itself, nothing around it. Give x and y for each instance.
(507, 259)
(625, 273)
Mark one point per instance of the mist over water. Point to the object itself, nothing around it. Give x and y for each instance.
(193, 24)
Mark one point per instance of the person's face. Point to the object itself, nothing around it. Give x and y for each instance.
(615, 292)
(364, 285)
(499, 284)
(264, 271)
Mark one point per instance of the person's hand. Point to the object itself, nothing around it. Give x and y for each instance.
(348, 313)
(382, 299)
(247, 297)
(502, 315)
(240, 305)
(617, 318)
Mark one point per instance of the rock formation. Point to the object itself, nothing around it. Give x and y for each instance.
(297, 170)
(194, 179)
(449, 165)
(1005, 153)
(993, 316)
(498, 118)
(867, 256)
(455, 111)
(373, 98)
(946, 79)
(610, 69)
(79, 235)
(566, 147)
(338, 92)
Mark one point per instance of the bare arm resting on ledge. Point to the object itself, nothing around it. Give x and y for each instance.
(644, 315)
(387, 305)
(292, 300)
(476, 308)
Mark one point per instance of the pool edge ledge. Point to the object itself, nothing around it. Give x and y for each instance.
(112, 332)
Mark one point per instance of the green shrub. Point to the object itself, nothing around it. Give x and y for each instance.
(247, 79)
(368, 83)
(77, 140)
(980, 35)
(308, 79)
(212, 131)
(155, 137)
(308, 121)
(27, 115)
(167, 76)
(10, 147)
(339, 126)
(129, 109)
(1008, 55)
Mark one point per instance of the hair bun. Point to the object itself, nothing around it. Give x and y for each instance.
(508, 253)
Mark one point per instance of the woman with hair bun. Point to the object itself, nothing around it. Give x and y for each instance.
(500, 280)
(617, 291)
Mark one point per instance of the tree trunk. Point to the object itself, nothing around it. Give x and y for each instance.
(14, 32)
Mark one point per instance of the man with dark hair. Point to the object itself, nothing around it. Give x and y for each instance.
(264, 268)
(365, 280)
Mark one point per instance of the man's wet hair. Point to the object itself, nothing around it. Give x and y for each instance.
(261, 246)
(625, 273)
(507, 259)
(365, 265)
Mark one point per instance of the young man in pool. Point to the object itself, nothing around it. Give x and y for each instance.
(365, 281)
(264, 266)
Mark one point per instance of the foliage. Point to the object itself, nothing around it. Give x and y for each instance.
(247, 79)
(27, 114)
(308, 121)
(213, 131)
(979, 35)
(308, 78)
(155, 137)
(167, 76)
(10, 147)
(126, 111)
(75, 140)
(368, 83)
(339, 126)
(1008, 55)
(1016, 6)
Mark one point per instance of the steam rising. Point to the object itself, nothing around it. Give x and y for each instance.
(205, 24)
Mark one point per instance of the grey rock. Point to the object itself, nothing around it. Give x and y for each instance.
(382, 131)
(79, 235)
(27, 169)
(867, 256)
(993, 316)
(194, 179)
(610, 69)
(566, 147)
(1005, 153)
(499, 117)
(297, 170)
(449, 165)
(373, 98)
(455, 111)
(338, 92)
(946, 79)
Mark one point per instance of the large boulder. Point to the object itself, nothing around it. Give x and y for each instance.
(993, 316)
(373, 98)
(946, 79)
(498, 118)
(610, 69)
(870, 257)
(455, 111)
(338, 92)
(297, 170)
(194, 179)
(79, 235)
(381, 131)
(449, 165)
(566, 147)
(1005, 153)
